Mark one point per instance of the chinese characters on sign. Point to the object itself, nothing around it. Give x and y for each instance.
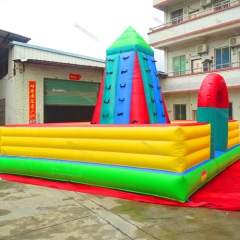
(32, 102)
(73, 76)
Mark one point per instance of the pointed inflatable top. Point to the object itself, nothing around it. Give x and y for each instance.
(129, 40)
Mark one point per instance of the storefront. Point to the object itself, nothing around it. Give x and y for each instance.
(69, 101)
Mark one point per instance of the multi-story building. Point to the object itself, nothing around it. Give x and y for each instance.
(198, 37)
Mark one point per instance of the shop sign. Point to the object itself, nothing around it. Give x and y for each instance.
(32, 102)
(73, 76)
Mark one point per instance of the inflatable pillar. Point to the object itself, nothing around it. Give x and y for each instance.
(213, 107)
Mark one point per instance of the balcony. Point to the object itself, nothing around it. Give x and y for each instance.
(220, 20)
(164, 4)
(191, 79)
(206, 67)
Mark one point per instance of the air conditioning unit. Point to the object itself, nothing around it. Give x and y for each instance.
(234, 41)
(202, 48)
(205, 3)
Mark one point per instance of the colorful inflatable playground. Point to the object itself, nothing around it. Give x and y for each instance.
(130, 144)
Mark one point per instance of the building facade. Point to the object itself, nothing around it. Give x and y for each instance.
(198, 37)
(41, 85)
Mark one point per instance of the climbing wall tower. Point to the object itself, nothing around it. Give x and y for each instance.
(130, 92)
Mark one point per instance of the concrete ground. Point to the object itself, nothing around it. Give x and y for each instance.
(32, 212)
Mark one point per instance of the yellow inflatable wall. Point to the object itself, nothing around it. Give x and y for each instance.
(172, 148)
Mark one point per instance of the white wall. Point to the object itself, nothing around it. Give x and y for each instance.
(8, 91)
(189, 99)
(234, 98)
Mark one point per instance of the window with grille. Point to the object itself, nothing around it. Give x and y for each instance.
(180, 112)
(177, 16)
(221, 4)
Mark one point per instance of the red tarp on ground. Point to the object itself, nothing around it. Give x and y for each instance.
(223, 192)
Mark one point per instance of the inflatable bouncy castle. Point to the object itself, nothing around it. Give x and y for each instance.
(130, 144)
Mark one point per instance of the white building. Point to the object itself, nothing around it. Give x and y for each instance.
(198, 37)
(44, 85)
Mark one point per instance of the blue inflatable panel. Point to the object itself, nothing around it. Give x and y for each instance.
(124, 88)
(156, 90)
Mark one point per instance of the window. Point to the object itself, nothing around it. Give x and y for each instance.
(177, 16)
(230, 111)
(221, 4)
(4, 66)
(179, 65)
(2, 112)
(222, 58)
(180, 111)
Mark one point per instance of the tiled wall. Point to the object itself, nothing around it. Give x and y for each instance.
(190, 99)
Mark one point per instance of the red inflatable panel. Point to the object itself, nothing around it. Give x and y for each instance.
(98, 107)
(213, 92)
(138, 108)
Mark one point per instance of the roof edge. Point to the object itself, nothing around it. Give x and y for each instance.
(15, 43)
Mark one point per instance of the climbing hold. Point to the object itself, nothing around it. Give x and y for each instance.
(105, 115)
(120, 114)
(134, 121)
(108, 101)
(109, 72)
(154, 61)
(123, 71)
(163, 115)
(161, 101)
(122, 86)
(153, 100)
(150, 85)
(124, 58)
(155, 113)
(145, 58)
(158, 87)
(148, 71)
(121, 99)
(111, 60)
(108, 88)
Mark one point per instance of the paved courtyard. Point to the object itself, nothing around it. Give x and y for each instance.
(33, 212)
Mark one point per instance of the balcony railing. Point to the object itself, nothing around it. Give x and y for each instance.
(215, 7)
(205, 68)
(221, 5)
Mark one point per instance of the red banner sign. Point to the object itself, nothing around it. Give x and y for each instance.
(73, 76)
(32, 102)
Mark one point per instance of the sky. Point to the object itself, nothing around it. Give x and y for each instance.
(86, 27)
